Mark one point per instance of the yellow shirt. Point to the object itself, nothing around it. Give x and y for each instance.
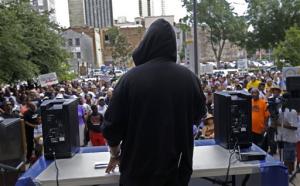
(252, 84)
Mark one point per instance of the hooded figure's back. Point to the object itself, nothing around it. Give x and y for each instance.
(152, 112)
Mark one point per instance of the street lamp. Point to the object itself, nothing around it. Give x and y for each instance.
(195, 37)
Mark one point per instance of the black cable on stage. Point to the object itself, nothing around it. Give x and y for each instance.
(229, 163)
(57, 170)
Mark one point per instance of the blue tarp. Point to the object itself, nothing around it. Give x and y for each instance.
(273, 172)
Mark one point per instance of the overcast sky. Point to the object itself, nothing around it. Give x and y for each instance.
(129, 9)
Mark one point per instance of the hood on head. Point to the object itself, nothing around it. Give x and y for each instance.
(159, 41)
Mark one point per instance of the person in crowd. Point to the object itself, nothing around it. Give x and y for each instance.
(109, 95)
(31, 120)
(287, 132)
(86, 92)
(102, 107)
(272, 128)
(261, 88)
(7, 110)
(82, 119)
(94, 125)
(260, 115)
(253, 83)
(208, 129)
(269, 85)
(152, 112)
(89, 100)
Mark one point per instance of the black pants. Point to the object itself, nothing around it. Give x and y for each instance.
(271, 140)
(29, 141)
(259, 140)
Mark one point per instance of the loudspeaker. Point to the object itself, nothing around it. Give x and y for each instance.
(293, 86)
(233, 119)
(11, 140)
(60, 128)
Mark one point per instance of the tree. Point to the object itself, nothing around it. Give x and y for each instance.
(121, 49)
(222, 23)
(288, 50)
(269, 20)
(29, 44)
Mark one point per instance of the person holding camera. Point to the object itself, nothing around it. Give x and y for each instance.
(273, 107)
(287, 126)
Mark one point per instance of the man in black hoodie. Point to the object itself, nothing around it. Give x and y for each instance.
(151, 114)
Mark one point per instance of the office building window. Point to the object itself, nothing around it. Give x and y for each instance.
(70, 42)
(78, 55)
(77, 42)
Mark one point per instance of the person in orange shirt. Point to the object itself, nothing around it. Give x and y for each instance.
(260, 116)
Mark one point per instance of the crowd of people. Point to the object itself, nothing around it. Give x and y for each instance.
(275, 125)
(94, 96)
(23, 101)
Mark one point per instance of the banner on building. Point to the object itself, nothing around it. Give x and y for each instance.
(48, 79)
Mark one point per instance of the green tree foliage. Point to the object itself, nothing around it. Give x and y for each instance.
(222, 23)
(269, 20)
(29, 44)
(121, 49)
(288, 50)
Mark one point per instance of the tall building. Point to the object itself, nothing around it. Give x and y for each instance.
(98, 13)
(145, 8)
(76, 13)
(163, 7)
(44, 5)
(93, 13)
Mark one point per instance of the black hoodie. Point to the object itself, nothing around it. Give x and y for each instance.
(152, 112)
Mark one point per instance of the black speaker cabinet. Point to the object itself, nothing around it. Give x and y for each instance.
(60, 128)
(11, 140)
(293, 86)
(232, 119)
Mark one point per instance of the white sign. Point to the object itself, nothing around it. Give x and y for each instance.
(75, 49)
(290, 71)
(242, 64)
(206, 69)
(48, 79)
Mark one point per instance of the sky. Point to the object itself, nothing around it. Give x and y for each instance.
(129, 9)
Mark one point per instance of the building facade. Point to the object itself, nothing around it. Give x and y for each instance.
(92, 13)
(230, 52)
(44, 5)
(98, 13)
(134, 35)
(146, 8)
(76, 13)
(84, 45)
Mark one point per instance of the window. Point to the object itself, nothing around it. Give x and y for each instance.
(78, 54)
(77, 42)
(70, 42)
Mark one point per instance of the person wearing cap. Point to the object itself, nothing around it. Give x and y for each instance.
(287, 127)
(260, 115)
(253, 83)
(208, 129)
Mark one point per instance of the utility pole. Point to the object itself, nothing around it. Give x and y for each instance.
(195, 38)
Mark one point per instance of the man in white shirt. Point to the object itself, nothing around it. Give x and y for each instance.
(288, 125)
